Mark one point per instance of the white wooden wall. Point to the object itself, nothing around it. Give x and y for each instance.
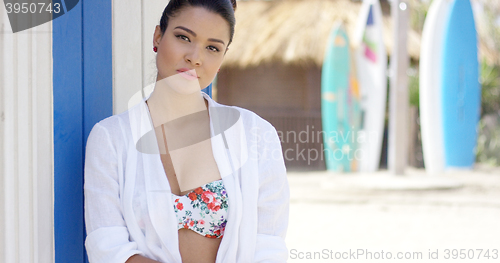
(134, 64)
(26, 128)
(26, 144)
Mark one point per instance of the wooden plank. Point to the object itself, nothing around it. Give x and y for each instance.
(151, 14)
(9, 226)
(127, 52)
(82, 96)
(68, 136)
(97, 64)
(3, 156)
(97, 70)
(26, 203)
(23, 141)
(42, 131)
(399, 100)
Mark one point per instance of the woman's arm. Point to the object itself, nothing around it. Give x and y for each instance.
(108, 239)
(273, 201)
(140, 259)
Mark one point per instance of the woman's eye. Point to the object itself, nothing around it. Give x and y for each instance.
(214, 49)
(183, 37)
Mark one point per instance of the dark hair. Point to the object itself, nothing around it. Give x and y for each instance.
(225, 8)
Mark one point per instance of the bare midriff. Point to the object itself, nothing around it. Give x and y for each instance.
(197, 248)
(192, 246)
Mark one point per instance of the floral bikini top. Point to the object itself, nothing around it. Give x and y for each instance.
(203, 210)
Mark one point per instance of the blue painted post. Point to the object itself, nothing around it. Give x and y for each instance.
(97, 66)
(68, 136)
(208, 90)
(82, 79)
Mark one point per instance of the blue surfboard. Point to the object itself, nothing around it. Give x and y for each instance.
(461, 91)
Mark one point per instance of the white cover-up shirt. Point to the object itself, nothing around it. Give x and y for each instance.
(128, 204)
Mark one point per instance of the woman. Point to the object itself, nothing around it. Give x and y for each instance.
(179, 177)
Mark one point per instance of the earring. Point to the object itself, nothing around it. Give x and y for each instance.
(218, 70)
(155, 49)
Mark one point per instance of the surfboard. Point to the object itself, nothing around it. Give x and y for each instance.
(431, 51)
(339, 104)
(354, 100)
(371, 66)
(461, 91)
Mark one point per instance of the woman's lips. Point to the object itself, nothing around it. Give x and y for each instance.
(188, 74)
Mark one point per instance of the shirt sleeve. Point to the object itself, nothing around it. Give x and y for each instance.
(107, 234)
(273, 201)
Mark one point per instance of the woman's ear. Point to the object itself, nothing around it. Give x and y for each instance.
(157, 36)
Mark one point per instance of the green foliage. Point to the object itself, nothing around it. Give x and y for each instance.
(418, 12)
(490, 88)
(488, 141)
(413, 86)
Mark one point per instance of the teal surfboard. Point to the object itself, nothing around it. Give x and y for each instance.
(340, 103)
(461, 91)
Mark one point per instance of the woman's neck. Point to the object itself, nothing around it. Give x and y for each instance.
(165, 104)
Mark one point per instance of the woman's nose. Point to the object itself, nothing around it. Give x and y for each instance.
(194, 57)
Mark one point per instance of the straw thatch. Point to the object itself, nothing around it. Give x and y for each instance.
(296, 32)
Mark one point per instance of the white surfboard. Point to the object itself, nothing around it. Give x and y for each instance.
(371, 66)
(431, 51)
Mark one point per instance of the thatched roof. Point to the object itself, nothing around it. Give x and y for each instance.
(296, 32)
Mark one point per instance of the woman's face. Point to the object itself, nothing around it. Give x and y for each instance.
(191, 50)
